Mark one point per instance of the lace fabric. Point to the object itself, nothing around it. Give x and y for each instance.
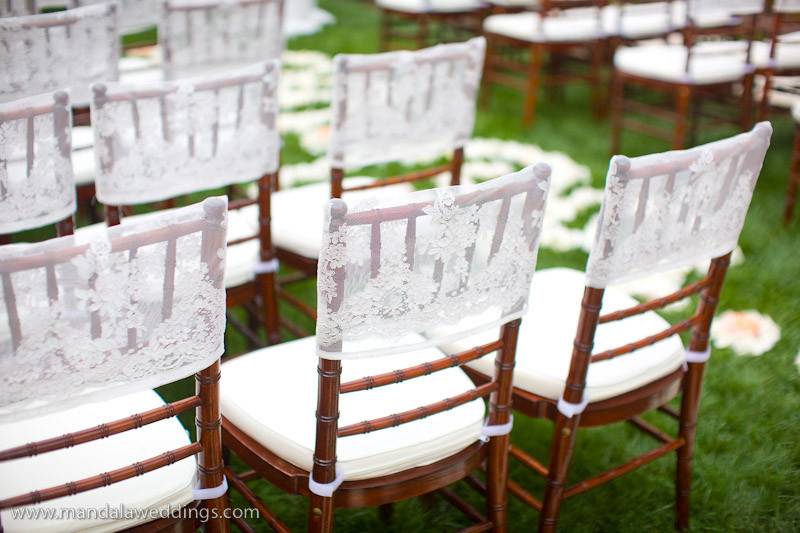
(386, 106)
(67, 49)
(37, 186)
(165, 139)
(440, 256)
(112, 311)
(198, 35)
(666, 211)
(134, 15)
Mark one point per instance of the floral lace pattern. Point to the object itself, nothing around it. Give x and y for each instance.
(385, 106)
(37, 186)
(671, 210)
(198, 135)
(67, 49)
(132, 308)
(196, 36)
(432, 257)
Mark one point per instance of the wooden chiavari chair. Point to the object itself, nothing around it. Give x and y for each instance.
(386, 272)
(794, 173)
(612, 359)
(164, 140)
(386, 108)
(88, 327)
(67, 51)
(694, 74)
(135, 16)
(217, 36)
(520, 44)
(37, 186)
(421, 23)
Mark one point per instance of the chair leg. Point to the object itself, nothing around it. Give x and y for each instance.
(746, 117)
(597, 52)
(267, 284)
(683, 102)
(563, 443)
(386, 512)
(497, 483)
(534, 80)
(617, 110)
(487, 85)
(794, 181)
(320, 515)
(422, 34)
(688, 424)
(385, 30)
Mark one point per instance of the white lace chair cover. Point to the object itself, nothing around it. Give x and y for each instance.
(198, 35)
(166, 139)
(670, 210)
(387, 106)
(134, 15)
(457, 255)
(64, 50)
(37, 186)
(115, 311)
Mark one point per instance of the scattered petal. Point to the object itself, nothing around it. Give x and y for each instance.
(745, 332)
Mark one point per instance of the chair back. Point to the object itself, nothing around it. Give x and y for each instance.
(55, 51)
(458, 255)
(166, 139)
(134, 15)
(37, 186)
(663, 212)
(122, 310)
(396, 105)
(670, 210)
(20, 8)
(112, 311)
(197, 35)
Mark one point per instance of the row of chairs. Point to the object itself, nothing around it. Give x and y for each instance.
(409, 286)
(562, 41)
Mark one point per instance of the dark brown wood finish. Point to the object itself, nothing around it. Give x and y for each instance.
(408, 30)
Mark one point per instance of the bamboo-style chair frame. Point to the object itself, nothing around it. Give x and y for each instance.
(794, 179)
(306, 267)
(427, 28)
(387, 489)
(205, 401)
(506, 62)
(264, 287)
(688, 97)
(628, 406)
(60, 110)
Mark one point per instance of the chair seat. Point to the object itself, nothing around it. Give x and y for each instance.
(271, 395)
(545, 341)
(240, 258)
(431, 6)
(298, 214)
(169, 487)
(526, 27)
(712, 62)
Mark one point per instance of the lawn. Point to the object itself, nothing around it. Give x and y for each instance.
(747, 466)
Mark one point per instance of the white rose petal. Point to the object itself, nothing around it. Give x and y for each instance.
(745, 332)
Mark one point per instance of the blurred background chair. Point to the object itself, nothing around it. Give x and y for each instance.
(420, 23)
(37, 186)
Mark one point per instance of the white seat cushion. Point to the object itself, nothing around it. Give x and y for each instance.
(271, 395)
(637, 21)
(712, 62)
(526, 27)
(298, 214)
(240, 259)
(83, 165)
(545, 341)
(166, 487)
(430, 6)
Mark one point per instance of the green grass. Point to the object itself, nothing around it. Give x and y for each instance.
(747, 466)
